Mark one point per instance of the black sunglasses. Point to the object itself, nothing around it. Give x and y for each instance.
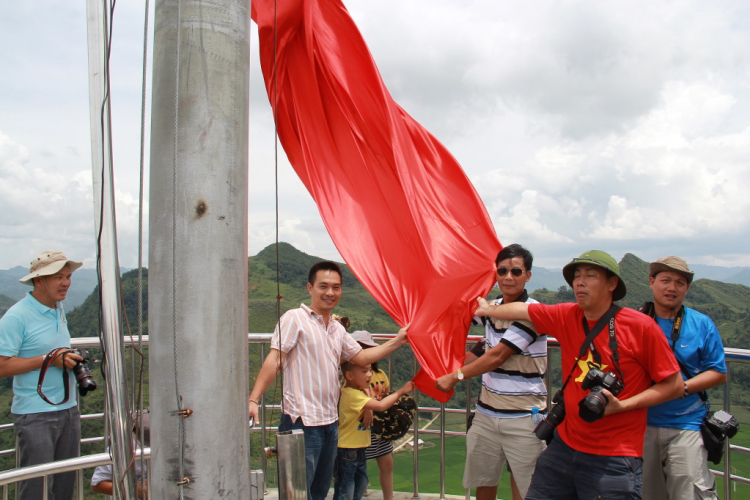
(516, 271)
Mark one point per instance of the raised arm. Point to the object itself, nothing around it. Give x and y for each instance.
(268, 372)
(389, 400)
(374, 354)
(514, 310)
(483, 364)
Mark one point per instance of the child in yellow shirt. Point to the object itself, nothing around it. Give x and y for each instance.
(350, 471)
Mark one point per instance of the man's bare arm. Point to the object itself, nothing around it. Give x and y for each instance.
(669, 388)
(483, 364)
(11, 366)
(705, 381)
(512, 311)
(374, 354)
(268, 372)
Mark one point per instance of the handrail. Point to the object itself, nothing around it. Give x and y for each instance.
(732, 355)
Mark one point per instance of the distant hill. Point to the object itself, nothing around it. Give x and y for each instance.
(541, 277)
(84, 281)
(364, 312)
(726, 303)
(741, 278)
(5, 303)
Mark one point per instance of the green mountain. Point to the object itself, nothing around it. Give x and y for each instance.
(5, 303)
(356, 302)
(727, 304)
(84, 280)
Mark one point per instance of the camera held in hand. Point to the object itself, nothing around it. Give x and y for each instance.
(591, 408)
(545, 430)
(86, 382)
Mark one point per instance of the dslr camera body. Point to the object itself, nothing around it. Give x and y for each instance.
(545, 430)
(86, 382)
(591, 408)
(716, 428)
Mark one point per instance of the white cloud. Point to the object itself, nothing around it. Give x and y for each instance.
(582, 124)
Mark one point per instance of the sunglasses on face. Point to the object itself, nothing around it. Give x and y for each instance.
(516, 271)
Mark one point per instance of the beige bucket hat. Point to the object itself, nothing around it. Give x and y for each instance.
(48, 263)
(671, 263)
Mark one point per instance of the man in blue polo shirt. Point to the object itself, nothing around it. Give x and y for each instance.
(674, 457)
(30, 330)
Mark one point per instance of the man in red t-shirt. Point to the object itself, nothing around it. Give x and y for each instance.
(600, 457)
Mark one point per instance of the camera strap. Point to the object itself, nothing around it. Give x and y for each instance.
(43, 373)
(610, 318)
(648, 309)
(588, 343)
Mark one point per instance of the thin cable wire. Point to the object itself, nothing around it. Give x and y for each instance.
(139, 400)
(178, 396)
(276, 179)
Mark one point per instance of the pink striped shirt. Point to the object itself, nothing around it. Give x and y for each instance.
(314, 353)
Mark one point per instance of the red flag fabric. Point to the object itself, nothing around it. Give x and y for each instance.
(397, 205)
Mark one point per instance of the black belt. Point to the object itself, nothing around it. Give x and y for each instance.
(488, 407)
(518, 374)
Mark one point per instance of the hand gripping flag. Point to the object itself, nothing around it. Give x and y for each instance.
(397, 205)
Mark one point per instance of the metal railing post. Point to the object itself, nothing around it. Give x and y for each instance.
(467, 491)
(415, 442)
(442, 451)
(727, 459)
(263, 436)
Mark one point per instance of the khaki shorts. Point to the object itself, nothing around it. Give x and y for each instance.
(675, 465)
(491, 441)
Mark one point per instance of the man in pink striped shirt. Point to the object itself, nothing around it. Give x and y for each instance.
(309, 346)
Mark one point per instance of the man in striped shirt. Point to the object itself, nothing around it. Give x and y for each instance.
(512, 360)
(309, 346)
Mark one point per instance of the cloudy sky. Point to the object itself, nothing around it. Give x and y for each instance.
(623, 126)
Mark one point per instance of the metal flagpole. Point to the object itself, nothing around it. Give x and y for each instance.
(198, 323)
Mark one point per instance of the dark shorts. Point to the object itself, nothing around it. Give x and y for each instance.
(563, 473)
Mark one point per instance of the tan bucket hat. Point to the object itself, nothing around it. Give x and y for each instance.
(364, 338)
(671, 263)
(48, 263)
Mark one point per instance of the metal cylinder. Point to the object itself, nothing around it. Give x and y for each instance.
(291, 464)
(198, 359)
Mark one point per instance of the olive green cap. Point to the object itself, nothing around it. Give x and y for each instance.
(600, 259)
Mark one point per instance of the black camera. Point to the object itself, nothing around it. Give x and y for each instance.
(545, 429)
(716, 427)
(86, 382)
(591, 408)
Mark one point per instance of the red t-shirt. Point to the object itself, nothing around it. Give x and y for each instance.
(645, 356)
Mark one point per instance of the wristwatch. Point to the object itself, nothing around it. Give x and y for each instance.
(459, 374)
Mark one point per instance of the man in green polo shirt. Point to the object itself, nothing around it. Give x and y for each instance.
(29, 331)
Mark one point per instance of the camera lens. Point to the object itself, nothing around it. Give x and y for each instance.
(591, 408)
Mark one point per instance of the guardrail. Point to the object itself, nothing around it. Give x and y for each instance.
(733, 356)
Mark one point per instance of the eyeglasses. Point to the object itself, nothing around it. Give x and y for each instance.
(516, 271)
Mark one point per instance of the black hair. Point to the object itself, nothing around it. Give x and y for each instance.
(347, 366)
(325, 265)
(374, 364)
(515, 250)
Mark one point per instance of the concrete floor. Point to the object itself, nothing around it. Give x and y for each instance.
(273, 494)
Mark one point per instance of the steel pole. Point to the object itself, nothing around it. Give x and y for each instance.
(121, 447)
(198, 320)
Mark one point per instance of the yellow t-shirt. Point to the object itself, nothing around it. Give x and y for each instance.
(351, 404)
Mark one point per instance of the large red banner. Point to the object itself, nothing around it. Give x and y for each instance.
(397, 205)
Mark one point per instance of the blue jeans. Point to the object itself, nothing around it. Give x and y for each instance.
(48, 437)
(321, 443)
(563, 473)
(350, 474)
